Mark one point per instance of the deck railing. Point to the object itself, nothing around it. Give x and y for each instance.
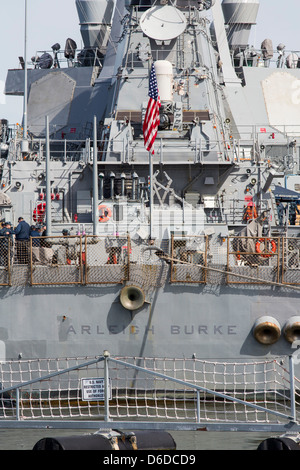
(104, 260)
(170, 393)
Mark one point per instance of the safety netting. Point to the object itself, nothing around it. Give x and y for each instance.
(149, 389)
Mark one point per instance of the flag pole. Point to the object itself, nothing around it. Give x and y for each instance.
(151, 193)
(150, 127)
(25, 78)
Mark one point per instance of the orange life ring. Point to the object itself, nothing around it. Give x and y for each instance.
(39, 213)
(105, 213)
(264, 241)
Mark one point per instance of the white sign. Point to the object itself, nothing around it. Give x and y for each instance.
(93, 389)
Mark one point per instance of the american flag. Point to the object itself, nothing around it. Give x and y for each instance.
(151, 120)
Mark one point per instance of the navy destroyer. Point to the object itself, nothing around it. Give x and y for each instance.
(190, 251)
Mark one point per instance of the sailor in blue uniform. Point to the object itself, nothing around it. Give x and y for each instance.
(6, 244)
(22, 232)
(280, 211)
(292, 212)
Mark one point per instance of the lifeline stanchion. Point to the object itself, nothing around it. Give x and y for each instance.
(106, 385)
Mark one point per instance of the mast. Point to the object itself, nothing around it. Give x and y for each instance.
(25, 78)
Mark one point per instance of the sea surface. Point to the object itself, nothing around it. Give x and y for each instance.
(25, 439)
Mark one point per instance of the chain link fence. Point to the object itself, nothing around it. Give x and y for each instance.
(96, 260)
(253, 260)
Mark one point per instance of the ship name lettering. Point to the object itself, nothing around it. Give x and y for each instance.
(71, 329)
(217, 330)
(203, 329)
(86, 329)
(112, 329)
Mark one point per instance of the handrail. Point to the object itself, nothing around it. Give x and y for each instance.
(43, 378)
(253, 58)
(207, 390)
(248, 138)
(59, 58)
(292, 417)
(102, 260)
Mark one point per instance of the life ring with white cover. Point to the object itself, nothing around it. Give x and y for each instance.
(104, 213)
(265, 241)
(39, 212)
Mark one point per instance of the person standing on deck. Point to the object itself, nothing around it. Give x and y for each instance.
(6, 244)
(22, 233)
(293, 209)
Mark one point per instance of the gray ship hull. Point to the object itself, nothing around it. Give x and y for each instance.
(202, 322)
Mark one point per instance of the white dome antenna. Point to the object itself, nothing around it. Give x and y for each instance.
(163, 23)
